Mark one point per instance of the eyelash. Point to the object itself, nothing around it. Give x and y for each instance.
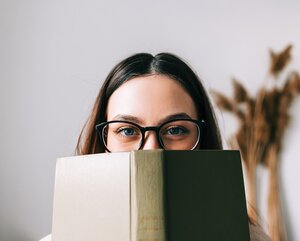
(182, 129)
(122, 129)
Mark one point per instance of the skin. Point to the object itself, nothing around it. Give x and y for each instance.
(149, 101)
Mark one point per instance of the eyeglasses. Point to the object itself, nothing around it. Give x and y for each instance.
(179, 134)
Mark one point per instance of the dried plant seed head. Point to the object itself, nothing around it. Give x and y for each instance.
(294, 83)
(285, 102)
(250, 108)
(222, 101)
(279, 60)
(282, 123)
(239, 92)
(240, 114)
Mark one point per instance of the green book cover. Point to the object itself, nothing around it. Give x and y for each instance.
(204, 196)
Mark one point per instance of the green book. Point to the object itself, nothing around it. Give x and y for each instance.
(151, 195)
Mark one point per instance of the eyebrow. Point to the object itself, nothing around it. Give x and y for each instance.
(130, 118)
(137, 120)
(175, 116)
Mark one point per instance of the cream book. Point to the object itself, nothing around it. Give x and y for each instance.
(152, 195)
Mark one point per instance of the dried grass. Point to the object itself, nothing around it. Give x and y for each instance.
(263, 120)
(279, 60)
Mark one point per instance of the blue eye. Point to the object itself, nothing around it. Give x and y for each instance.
(176, 131)
(128, 131)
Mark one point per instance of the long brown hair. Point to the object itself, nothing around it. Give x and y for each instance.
(143, 64)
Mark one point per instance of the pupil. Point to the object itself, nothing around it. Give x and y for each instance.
(128, 132)
(174, 131)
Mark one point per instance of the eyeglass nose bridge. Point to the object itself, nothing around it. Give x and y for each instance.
(151, 128)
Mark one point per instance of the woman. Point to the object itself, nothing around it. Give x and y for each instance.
(149, 102)
(141, 66)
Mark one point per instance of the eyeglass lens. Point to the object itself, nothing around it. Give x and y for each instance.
(175, 135)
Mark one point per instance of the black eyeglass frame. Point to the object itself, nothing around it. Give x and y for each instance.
(100, 127)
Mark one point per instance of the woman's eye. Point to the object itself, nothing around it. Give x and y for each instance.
(176, 131)
(127, 131)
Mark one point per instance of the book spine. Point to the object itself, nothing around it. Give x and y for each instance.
(147, 196)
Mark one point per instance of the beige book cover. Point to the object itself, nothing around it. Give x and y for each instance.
(150, 196)
(91, 198)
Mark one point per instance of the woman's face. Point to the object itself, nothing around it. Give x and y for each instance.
(150, 101)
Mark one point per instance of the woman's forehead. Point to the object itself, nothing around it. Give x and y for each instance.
(150, 98)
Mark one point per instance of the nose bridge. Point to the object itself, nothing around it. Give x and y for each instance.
(151, 139)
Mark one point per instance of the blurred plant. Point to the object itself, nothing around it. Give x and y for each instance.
(263, 120)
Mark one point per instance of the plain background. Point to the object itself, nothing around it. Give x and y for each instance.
(54, 55)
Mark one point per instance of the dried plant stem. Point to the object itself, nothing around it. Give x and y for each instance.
(253, 156)
(276, 227)
(251, 191)
(263, 121)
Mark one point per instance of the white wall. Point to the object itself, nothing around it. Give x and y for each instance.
(54, 54)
